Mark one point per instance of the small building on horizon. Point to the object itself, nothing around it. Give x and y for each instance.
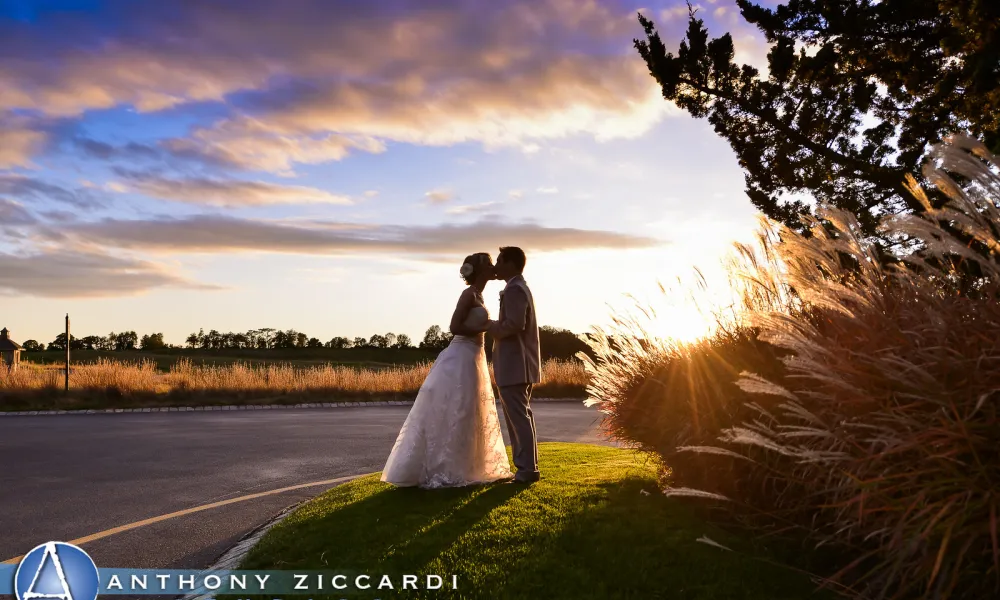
(10, 351)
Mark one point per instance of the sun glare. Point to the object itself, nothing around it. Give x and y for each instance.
(684, 324)
(687, 311)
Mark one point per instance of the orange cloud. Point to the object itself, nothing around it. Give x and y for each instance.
(249, 144)
(219, 234)
(465, 209)
(510, 73)
(227, 192)
(607, 97)
(18, 143)
(439, 196)
(75, 273)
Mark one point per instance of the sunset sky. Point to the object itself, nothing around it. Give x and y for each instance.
(325, 165)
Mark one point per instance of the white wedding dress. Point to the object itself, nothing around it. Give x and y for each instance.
(452, 435)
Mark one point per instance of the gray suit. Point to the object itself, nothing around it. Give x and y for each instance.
(517, 368)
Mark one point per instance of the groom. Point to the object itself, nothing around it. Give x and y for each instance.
(517, 361)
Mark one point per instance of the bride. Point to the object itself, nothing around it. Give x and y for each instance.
(452, 435)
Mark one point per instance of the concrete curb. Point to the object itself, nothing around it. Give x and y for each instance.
(163, 409)
(232, 558)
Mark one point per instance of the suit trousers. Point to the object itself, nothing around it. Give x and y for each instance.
(521, 427)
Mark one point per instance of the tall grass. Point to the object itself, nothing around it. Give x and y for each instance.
(107, 381)
(869, 423)
(660, 395)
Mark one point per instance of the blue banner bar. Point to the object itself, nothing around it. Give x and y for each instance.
(306, 582)
(7, 579)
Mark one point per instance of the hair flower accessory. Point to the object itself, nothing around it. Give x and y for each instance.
(466, 269)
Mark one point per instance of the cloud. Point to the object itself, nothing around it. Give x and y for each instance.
(506, 73)
(750, 47)
(59, 216)
(515, 194)
(607, 97)
(548, 190)
(464, 209)
(226, 192)
(105, 151)
(439, 196)
(221, 234)
(18, 143)
(71, 273)
(677, 12)
(251, 145)
(24, 187)
(12, 213)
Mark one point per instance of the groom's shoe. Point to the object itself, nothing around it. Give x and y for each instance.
(522, 477)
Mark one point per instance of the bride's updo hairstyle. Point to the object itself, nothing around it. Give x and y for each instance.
(474, 265)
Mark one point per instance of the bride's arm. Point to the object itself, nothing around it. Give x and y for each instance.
(461, 313)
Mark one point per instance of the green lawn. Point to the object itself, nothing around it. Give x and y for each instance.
(594, 527)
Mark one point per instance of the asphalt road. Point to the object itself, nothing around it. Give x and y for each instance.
(64, 477)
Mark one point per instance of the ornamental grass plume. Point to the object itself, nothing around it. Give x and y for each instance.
(884, 427)
(662, 395)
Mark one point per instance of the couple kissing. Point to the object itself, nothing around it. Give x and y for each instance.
(452, 436)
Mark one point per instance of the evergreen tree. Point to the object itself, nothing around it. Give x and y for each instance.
(855, 93)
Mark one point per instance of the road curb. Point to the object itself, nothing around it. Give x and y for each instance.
(163, 409)
(232, 558)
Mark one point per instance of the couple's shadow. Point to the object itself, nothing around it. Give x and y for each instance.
(465, 509)
(401, 530)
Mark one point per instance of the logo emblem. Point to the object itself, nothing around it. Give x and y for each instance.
(56, 571)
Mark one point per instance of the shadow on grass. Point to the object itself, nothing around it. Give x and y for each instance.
(595, 527)
(623, 543)
(394, 528)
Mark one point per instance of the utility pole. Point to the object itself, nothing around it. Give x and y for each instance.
(67, 353)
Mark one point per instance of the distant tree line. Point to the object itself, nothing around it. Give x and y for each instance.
(555, 343)
(269, 339)
(113, 342)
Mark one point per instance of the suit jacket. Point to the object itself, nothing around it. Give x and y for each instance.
(516, 355)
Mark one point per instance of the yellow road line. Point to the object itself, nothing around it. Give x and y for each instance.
(188, 511)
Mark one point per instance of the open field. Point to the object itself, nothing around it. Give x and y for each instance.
(164, 359)
(595, 526)
(123, 384)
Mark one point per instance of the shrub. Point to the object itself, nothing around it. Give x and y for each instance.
(660, 395)
(890, 401)
(878, 433)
